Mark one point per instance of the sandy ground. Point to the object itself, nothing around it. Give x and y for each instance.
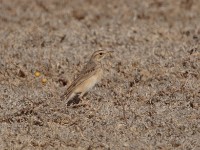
(149, 97)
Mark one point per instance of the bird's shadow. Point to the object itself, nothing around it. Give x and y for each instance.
(75, 100)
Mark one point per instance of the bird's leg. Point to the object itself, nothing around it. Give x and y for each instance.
(80, 98)
(83, 102)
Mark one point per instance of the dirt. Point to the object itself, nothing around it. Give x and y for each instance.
(149, 97)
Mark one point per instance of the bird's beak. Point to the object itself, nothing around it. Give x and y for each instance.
(110, 52)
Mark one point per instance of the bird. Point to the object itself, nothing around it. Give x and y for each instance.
(90, 75)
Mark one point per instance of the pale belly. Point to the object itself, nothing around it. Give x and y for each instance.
(89, 83)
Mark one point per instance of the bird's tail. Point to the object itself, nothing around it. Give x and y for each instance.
(66, 95)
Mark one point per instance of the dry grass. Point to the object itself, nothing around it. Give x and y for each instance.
(148, 99)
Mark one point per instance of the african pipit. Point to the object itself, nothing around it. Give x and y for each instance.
(88, 77)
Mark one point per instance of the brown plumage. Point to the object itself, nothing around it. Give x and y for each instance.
(88, 77)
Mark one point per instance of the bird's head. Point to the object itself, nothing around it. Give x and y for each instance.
(100, 54)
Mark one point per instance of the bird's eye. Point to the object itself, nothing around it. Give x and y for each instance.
(100, 53)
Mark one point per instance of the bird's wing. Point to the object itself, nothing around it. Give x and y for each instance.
(89, 70)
